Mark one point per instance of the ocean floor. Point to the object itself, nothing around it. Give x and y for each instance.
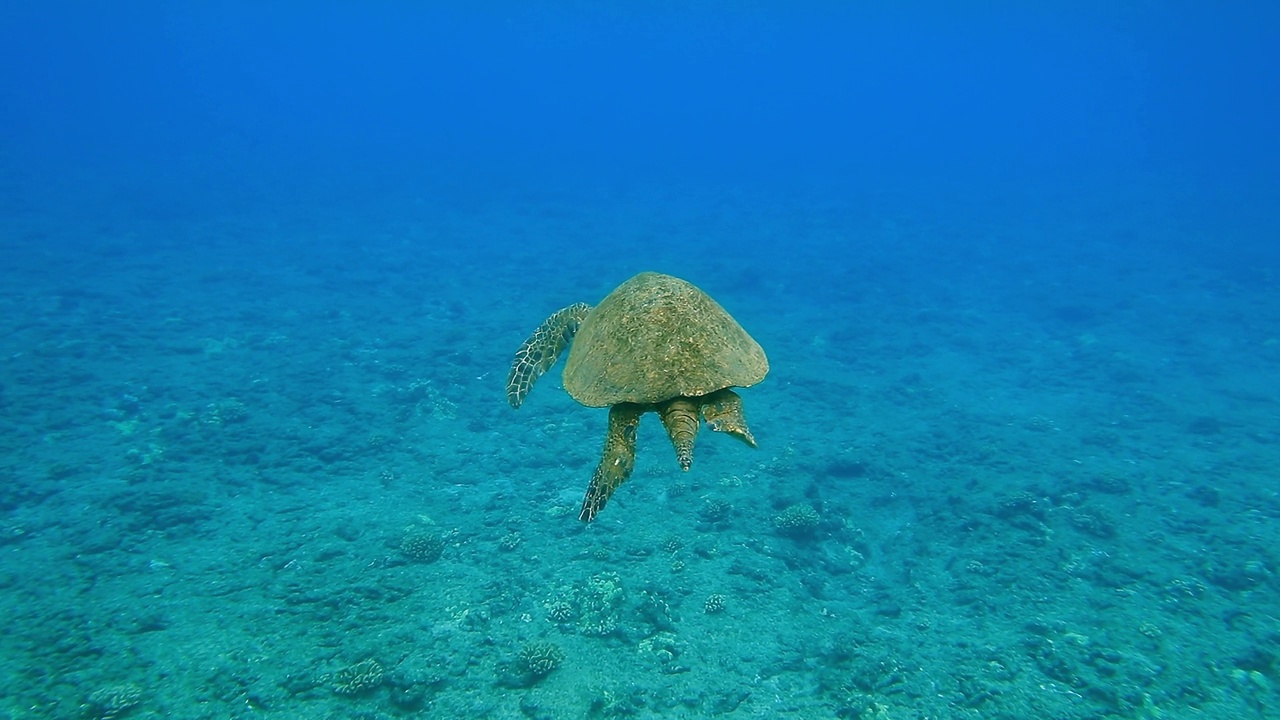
(1012, 464)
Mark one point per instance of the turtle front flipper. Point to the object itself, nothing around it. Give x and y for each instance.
(540, 351)
(616, 462)
(722, 410)
(680, 417)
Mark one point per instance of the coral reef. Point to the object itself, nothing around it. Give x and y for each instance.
(1001, 515)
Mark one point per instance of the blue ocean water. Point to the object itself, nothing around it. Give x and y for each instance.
(265, 268)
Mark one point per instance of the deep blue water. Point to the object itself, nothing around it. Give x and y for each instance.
(265, 268)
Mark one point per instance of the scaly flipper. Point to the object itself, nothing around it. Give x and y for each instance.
(616, 462)
(722, 410)
(680, 416)
(540, 351)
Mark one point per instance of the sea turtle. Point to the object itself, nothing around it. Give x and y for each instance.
(655, 343)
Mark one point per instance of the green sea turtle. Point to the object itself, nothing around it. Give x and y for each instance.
(655, 343)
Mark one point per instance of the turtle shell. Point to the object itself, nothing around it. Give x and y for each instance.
(657, 337)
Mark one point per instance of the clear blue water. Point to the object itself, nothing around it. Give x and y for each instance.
(1016, 270)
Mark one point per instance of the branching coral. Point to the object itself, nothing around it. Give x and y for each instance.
(358, 679)
(538, 660)
(421, 545)
(113, 701)
(797, 521)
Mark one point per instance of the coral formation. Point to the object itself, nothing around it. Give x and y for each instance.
(560, 611)
(656, 612)
(664, 649)
(797, 520)
(1093, 521)
(538, 660)
(599, 603)
(224, 413)
(1020, 503)
(112, 701)
(421, 545)
(509, 542)
(714, 510)
(358, 679)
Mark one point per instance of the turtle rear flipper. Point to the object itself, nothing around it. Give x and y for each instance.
(540, 351)
(722, 410)
(616, 462)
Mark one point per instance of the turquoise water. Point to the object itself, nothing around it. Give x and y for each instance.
(1017, 445)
